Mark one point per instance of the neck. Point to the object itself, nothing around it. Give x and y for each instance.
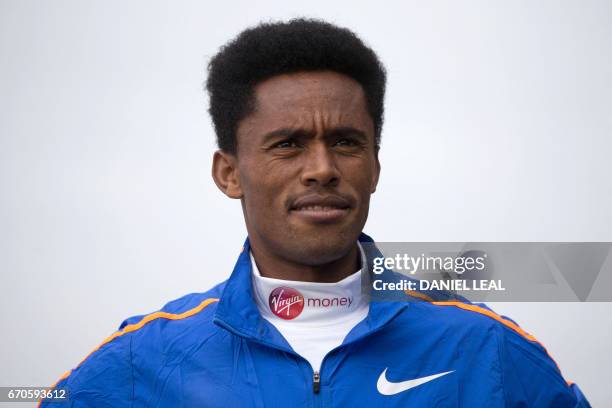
(271, 266)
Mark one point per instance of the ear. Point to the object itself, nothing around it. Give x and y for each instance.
(375, 174)
(225, 174)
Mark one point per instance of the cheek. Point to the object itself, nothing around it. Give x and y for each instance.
(362, 177)
(262, 193)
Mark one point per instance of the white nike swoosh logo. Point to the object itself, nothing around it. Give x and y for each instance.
(388, 388)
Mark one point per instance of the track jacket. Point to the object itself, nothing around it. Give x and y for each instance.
(214, 349)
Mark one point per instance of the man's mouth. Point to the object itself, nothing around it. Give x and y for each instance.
(321, 209)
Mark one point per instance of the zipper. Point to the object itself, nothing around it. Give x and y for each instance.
(316, 382)
(316, 375)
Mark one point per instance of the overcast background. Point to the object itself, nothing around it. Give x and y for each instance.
(498, 128)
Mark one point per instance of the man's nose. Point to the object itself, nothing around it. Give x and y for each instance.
(320, 167)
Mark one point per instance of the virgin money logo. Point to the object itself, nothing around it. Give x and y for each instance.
(287, 303)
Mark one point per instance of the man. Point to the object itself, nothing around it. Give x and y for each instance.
(298, 109)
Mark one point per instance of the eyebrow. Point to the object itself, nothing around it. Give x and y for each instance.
(300, 132)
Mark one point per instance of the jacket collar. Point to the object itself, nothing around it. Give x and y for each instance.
(238, 313)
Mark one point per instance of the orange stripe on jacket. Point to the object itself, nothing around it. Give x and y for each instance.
(503, 321)
(133, 327)
(418, 295)
(491, 314)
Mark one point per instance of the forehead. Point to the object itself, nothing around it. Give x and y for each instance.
(308, 100)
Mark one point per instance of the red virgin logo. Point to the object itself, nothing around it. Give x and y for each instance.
(287, 303)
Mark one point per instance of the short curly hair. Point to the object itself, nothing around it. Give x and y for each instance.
(270, 49)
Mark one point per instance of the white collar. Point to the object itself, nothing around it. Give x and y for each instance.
(315, 303)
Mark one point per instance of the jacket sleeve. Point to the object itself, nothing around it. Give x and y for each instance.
(103, 379)
(531, 378)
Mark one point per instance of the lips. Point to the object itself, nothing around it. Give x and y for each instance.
(321, 209)
(320, 202)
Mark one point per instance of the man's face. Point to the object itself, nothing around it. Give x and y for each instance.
(306, 166)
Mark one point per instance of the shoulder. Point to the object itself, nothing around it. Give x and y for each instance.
(473, 314)
(476, 325)
(478, 330)
(201, 305)
(174, 325)
(160, 334)
(477, 318)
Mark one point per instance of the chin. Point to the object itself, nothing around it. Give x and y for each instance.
(322, 248)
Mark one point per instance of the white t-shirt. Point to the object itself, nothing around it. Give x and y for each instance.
(313, 317)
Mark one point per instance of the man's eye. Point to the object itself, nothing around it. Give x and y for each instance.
(285, 144)
(345, 142)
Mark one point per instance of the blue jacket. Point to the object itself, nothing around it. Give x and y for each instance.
(214, 349)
